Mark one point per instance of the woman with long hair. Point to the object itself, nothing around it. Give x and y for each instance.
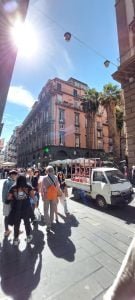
(19, 195)
(63, 187)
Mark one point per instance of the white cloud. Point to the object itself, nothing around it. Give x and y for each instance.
(20, 96)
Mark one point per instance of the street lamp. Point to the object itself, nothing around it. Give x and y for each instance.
(107, 63)
(67, 36)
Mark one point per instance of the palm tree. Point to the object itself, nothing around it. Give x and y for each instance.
(90, 105)
(109, 98)
(119, 124)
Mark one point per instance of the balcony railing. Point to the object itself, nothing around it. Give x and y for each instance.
(69, 105)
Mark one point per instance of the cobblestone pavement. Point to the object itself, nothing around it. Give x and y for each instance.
(79, 259)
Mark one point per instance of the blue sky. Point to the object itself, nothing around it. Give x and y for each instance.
(93, 22)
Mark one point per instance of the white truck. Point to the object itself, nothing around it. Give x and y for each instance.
(103, 184)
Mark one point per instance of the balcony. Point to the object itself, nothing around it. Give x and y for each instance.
(69, 105)
(64, 103)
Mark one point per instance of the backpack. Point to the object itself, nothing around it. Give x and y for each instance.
(52, 192)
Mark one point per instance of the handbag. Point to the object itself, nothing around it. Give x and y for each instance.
(59, 192)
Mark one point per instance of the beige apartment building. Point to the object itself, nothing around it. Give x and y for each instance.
(125, 13)
(56, 126)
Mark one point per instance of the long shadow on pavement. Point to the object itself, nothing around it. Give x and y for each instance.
(126, 213)
(20, 270)
(58, 239)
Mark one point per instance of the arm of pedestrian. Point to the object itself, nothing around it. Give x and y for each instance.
(43, 190)
(32, 193)
(9, 197)
(123, 287)
(39, 185)
(4, 192)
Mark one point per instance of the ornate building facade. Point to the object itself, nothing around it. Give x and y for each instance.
(9, 12)
(10, 153)
(125, 13)
(56, 126)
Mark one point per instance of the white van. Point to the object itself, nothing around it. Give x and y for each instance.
(105, 186)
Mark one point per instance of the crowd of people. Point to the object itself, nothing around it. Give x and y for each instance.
(21, 196)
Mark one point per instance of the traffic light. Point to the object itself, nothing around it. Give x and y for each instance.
(46, 150)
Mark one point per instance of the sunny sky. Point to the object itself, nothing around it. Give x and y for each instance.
(93, 22)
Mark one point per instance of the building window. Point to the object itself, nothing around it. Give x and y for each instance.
(62, 126)
(74, 93)
(61, 115)
(46, 116)
(110, 148)
(76, 104)
(61, 138)
(100, 145)
(46, 139)
(76, 119)
(59, 98)
(77, 140)
(99, 125)
(59, 87)
(99, 134)
(110, 141)
(77, 130)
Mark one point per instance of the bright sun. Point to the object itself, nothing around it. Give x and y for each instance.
(24, 37)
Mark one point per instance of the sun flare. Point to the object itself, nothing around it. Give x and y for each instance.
(25, 38)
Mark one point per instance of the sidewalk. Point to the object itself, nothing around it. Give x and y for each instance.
(78, 260)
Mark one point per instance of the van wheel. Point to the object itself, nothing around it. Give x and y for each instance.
(101, 202)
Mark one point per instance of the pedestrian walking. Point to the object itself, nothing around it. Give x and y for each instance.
(19, 197)
(6, 205)
(49, 189)
(35, 184)
(133, 175)
(29, 175)
(63, 187)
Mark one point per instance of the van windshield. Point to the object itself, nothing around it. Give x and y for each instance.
(115, 176)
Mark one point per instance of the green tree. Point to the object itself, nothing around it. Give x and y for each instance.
(90, 105)
(109, 98)
(119, 124)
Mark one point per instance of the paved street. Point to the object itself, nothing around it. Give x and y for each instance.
(78, 260)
